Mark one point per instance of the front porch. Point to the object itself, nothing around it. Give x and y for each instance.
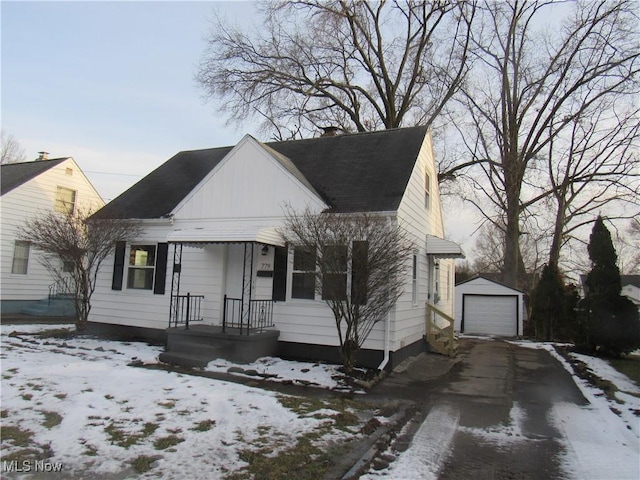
(233, 317)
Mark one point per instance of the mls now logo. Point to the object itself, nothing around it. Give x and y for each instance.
(31, 466)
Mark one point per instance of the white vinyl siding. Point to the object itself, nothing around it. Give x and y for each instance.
(419, 219)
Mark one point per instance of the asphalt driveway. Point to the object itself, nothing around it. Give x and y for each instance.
(495, 400)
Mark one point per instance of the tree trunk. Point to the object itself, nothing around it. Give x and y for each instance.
(556, 242)
(512, 258)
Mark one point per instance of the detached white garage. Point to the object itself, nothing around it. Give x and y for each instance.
(486, 307)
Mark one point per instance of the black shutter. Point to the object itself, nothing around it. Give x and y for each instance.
(279, 274)
(359, 272)
(161, 269)
(118, 266)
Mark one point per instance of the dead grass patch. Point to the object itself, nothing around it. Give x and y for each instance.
(124, 438)
(51, 419)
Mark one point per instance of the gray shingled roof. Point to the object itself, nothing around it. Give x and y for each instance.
(13, 175)
(365, 172)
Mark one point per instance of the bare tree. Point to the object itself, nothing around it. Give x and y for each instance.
(535, 78)
(358, 264)
(627, 245)
(11, 150)
(74, 248)
(354, 65)
(634, 235)
(597, 168)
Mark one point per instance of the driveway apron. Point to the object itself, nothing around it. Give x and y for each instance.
(504, 395)
(499, 397)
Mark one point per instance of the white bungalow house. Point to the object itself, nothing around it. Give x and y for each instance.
(211, 260)
(29, 189)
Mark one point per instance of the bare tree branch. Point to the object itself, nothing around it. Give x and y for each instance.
(354, 65)
(79, 244)
(10, 149)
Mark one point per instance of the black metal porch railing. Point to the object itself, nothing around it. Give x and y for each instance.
(62, 288)
(186, 309)
(258, 317)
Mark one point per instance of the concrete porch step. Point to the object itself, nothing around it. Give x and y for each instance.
(184, 359)
(202, 343)
(211, 347)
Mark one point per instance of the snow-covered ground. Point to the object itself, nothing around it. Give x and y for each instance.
(81, 405)
(79, 401)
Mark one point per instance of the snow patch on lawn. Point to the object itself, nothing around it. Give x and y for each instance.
(279, 370)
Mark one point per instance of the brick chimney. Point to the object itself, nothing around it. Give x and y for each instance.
(43, 156)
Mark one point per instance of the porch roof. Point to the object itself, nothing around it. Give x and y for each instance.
(441, 248)
(263, 235)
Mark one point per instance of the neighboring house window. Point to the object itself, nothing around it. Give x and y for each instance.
(334, 280)
(20, 257)
(303, 282)
(65, 200)
(142, 262)
(427, 191)
(414, 280)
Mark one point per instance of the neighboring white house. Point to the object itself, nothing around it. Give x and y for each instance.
(486, 307)
(29, 189)
(631, 288)
(211, 219)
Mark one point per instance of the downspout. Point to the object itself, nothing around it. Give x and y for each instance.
(385, 360)
(387, 340)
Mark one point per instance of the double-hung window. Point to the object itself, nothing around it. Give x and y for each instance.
(334, 275)
(20, 257)
(427, 191)
(303, 281)
(142, 263)
(65, 201)
(414, 280)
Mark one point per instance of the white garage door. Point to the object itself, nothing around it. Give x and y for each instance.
(490, 315)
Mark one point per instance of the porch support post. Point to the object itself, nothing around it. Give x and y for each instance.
(174, 303)
(247, 287)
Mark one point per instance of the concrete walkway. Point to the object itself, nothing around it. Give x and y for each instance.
(499, 397)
